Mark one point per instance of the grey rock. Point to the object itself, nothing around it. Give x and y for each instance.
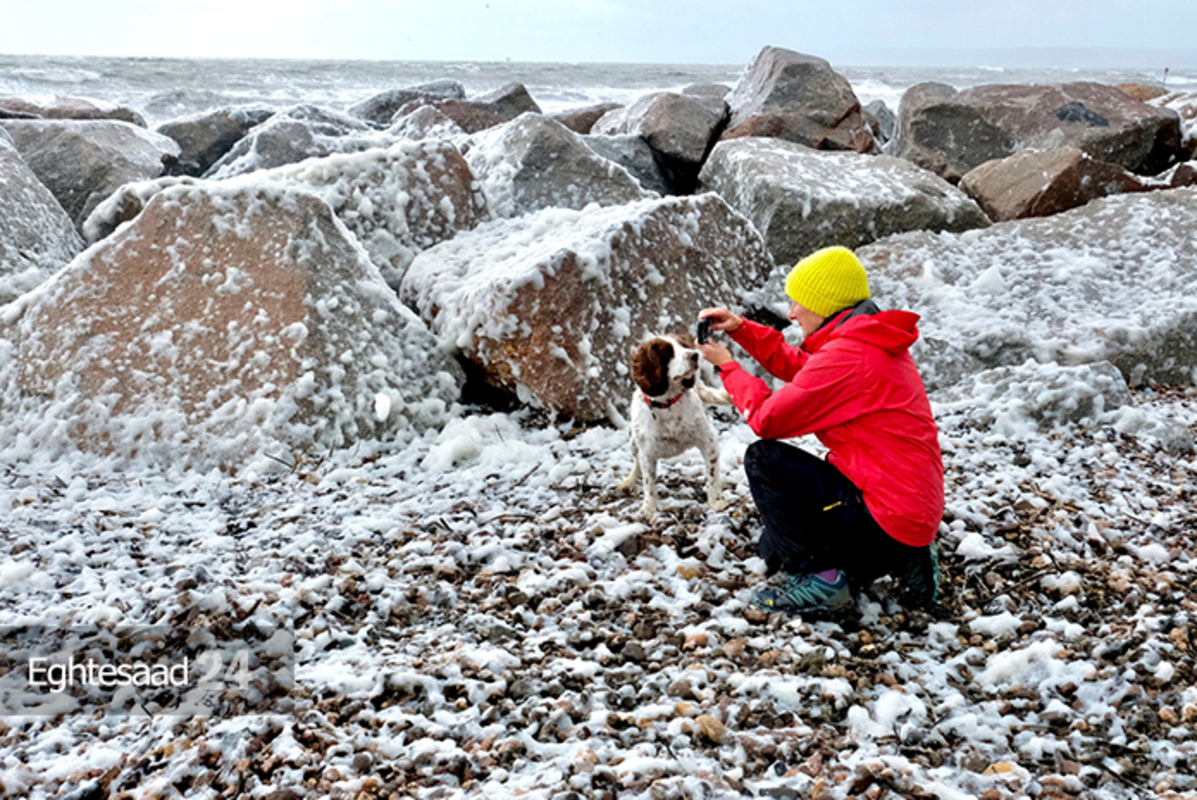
(204, 138)
(802, 199)
(479, 113)
(379, 109)
(885, 119)
(581, 120)
(66, 107)
(294, 135)
(633, 154)
(680, 129)
(83, 161)
(534, 162)
(426, 122)
(37, 238)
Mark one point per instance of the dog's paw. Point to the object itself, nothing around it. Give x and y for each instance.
(648, 509)
(628, 484)
(717, 503)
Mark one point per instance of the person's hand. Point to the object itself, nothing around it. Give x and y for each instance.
(715, 353)
(721, 320)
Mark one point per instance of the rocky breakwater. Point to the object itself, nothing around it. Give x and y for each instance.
(225, 323)
(1115, 280)
(549, 306)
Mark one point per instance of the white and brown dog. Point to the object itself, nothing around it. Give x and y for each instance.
(668, 416)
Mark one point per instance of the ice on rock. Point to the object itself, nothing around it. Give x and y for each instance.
(166, 361)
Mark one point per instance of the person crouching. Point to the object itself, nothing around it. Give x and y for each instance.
(873, 507)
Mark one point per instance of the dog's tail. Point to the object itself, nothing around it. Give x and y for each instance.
(713, 397)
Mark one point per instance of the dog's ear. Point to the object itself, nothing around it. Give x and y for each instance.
(650, 366)
(685, 339)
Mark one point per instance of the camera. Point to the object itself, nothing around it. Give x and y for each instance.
(703, 331)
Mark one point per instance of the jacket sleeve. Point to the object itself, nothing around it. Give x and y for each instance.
(769, 348)
(820, 396)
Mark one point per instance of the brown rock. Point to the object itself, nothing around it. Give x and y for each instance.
(788, 95)
(224, 321)
(1039, 183)
(66, 107)
(952, 132)
(1143, 91)
(581, 120)
(482, 112)
(551, 305)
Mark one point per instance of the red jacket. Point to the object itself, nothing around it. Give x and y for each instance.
(857, 389)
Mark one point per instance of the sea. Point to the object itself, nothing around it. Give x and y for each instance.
(166, 88)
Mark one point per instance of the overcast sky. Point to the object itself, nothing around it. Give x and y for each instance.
(851, 32)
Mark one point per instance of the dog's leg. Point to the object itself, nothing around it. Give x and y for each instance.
(709, 447)
(648, 471)
(629, 483)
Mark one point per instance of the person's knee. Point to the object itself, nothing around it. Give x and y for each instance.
(759, 456)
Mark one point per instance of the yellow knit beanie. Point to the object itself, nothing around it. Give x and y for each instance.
(827, 281)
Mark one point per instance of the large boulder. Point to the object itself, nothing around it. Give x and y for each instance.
(950, 132)
(397, 201)
(66, 107)
(802, 199)
(479, 113)
(379, 109)
(204, 138)
(37, 238)
(799, 98)
(294, 135)
(534, 162)
(551, 305)
(1036, 183)
(633, 154)
(83, 161)
(681, 129)
(226, 324)
(1115, 280)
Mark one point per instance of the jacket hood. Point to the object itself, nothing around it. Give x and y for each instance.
(892, 331)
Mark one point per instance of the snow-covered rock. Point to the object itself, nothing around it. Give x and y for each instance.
(1115, 280)
(427, 123)
(799, 98)
(294, 135)
(1036, 183)
(227, 323)
(1185, 105)
(949, 132)
(534, 162)
(204, 138)
(37, 238)
(802, 199)
(397, 201)
(551, 305)
(83, 161)
(679, 128)
(380, 108)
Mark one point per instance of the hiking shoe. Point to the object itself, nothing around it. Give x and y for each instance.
(806, 594)
(920, 580)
